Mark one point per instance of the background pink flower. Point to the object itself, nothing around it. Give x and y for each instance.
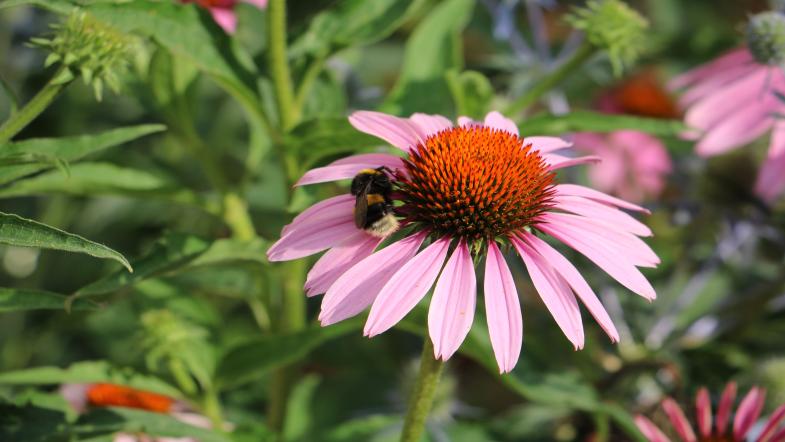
(223, 11)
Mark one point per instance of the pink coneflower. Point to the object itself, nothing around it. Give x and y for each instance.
(468, 191)
(716, 429)
(223, 11)
(736, 98)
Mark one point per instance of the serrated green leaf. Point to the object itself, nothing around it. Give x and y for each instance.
(170, 253)
(67, 148)
(433, 49)
(585, 121)
(18, 231)
(112, 420)
(87, 372)
(15, 300)
(89, 179)
(247, 361)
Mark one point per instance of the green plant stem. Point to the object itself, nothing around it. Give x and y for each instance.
(279, 63)
(19, 120)
(583, 53)
(237, 217)
(211, 404)
(422, 395)
(307, 82)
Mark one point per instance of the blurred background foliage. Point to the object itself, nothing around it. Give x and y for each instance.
(186, 171)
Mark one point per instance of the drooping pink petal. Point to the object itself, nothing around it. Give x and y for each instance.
(546, 144)
(431, 124)
(679, 421)
(498, 121)
(731, 58)
(585, 192)
(338, 260)
(452, 307)
(748, 412)
(406, 288)
(310, 235)
(399, 132)
(554, 292)
(772, 424)
(725, 407)
(503, 310)
(649, 430)
(770, 183)
(570, 274)
(559, 162)
(348, 167)
(620, 269)
(358, 287)
(717, 83)
(602, 212)
(325, 210)
(733, 99)
(735, 132)
(225, 18)
(703, 412)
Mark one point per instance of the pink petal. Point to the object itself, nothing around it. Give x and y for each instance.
(312, 235)
(406, 288)
(326, 210)
(731, 58)
(730, 100)
(498, 121)
(505, 323)
(466, 121)
(570, 274)
(451, 312)
(348, 167)
(338, 260)
(555, 293)
(546, 144)
(431, 124)
(602, 212)
(771, 426)
(560, 162)
(725, 407)
(703, 412)
(609, 238)
(585, 192)
(748, 412)
(779, 437)
(770, 183)
(679, 421)
(737, 131)
(357, 288)
(225, 18)
(261, 4)
(399, 132)
(619, 269)
(649, 430)
(717, 83)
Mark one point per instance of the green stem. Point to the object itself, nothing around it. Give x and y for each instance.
(237, 217)
(19, 120)
(212, 409)
(307, 82)
(583, 53)
(279, 63)
(422, 395)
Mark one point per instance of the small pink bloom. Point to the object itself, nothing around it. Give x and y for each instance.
(747, 414)
(634, 164)
(223, 11)
(733, 101)
(465, 193)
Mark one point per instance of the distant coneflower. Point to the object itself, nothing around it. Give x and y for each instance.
(468, 191)
(715, 428)
(223, 10)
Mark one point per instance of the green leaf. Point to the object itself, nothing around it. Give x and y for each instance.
(299, 416)
(231, 251)
(170, 253)
(472, 93)
(433, 50)
(88, 372)
(66, 148)
(169, 76)
(18, 231)
(361, 429)
(14, 300)
(90, 179)
(247, 361)
(319, 138)
(585, 121)
(59, 6)
(352, 23)
(30, 423)
(112, 420)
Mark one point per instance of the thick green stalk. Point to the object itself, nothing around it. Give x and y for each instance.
(19, 120)
(211, 404)
(583, 53)
(237, 217)
(279, 64)
(422, 395)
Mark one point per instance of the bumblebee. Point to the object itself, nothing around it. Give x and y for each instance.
(373, 209)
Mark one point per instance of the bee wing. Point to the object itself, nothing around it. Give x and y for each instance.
(361, 207)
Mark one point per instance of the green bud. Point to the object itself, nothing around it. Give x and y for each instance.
(766, 38)
(611, 25)
(88, 48)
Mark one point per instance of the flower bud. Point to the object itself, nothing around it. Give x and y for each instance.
(766, 38)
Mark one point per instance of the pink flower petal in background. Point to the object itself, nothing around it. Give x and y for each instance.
(679, 421)
(703, 412)
(503, 309)
(649, 430)
(725, 407)
(225, 18)
(748, 412)
(452, 306)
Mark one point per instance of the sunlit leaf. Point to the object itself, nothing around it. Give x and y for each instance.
(115, 419)
(12, 300)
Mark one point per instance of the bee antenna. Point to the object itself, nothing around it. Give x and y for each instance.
(385, 169)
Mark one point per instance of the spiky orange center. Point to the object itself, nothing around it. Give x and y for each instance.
(474, 182)
(110, 395)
